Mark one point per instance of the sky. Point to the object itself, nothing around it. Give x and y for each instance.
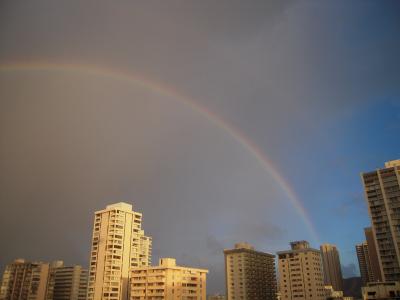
(221, 121)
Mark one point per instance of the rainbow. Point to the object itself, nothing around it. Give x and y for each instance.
(161, 89)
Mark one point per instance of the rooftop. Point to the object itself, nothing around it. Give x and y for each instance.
(120, 205)
(297, 245)
(244, 246)
(392, 163)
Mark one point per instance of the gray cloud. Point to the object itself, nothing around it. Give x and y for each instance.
(68, 150)
(215, 246)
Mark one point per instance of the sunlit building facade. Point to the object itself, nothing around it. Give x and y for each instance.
(23, 280)
(301, 273)
(167, 281)
(51, 278)
(118, 244)
(389, 290)
(249, 274)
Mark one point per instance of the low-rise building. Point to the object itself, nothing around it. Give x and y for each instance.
(381, 291)
(167, 281)
(331, 294)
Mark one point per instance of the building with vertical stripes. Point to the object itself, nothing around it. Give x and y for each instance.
(24, 280)
(118, 245)
(331, 266)
(70, 283)
(249, 274)
(382, 193)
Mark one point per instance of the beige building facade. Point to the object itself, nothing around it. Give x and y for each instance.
(167, 281)
(118, 244)
(249, 274)
(331, 294)
(301, 273)
(51, 278)
(331, 266)
(381, 291)
(382, 193)
(70, 283)
(23, 280)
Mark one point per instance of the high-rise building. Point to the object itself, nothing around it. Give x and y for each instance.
(249, 274)
(70, 283)
(51, 278)
(167, 281)
(23, 280)
(301, 273)
(368, 259)
(373, 255)
(364, 263)
(331, 266)
(118, 244)
(382, 192)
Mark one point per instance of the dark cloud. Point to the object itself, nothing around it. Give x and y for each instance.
(73, 142)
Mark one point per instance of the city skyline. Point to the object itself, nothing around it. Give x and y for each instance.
(120, 259)
(221, 122)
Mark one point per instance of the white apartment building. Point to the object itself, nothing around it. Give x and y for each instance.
(167, 281)
(301, 273)
(118, 244)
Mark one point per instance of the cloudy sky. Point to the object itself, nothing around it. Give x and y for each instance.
(173, 106)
